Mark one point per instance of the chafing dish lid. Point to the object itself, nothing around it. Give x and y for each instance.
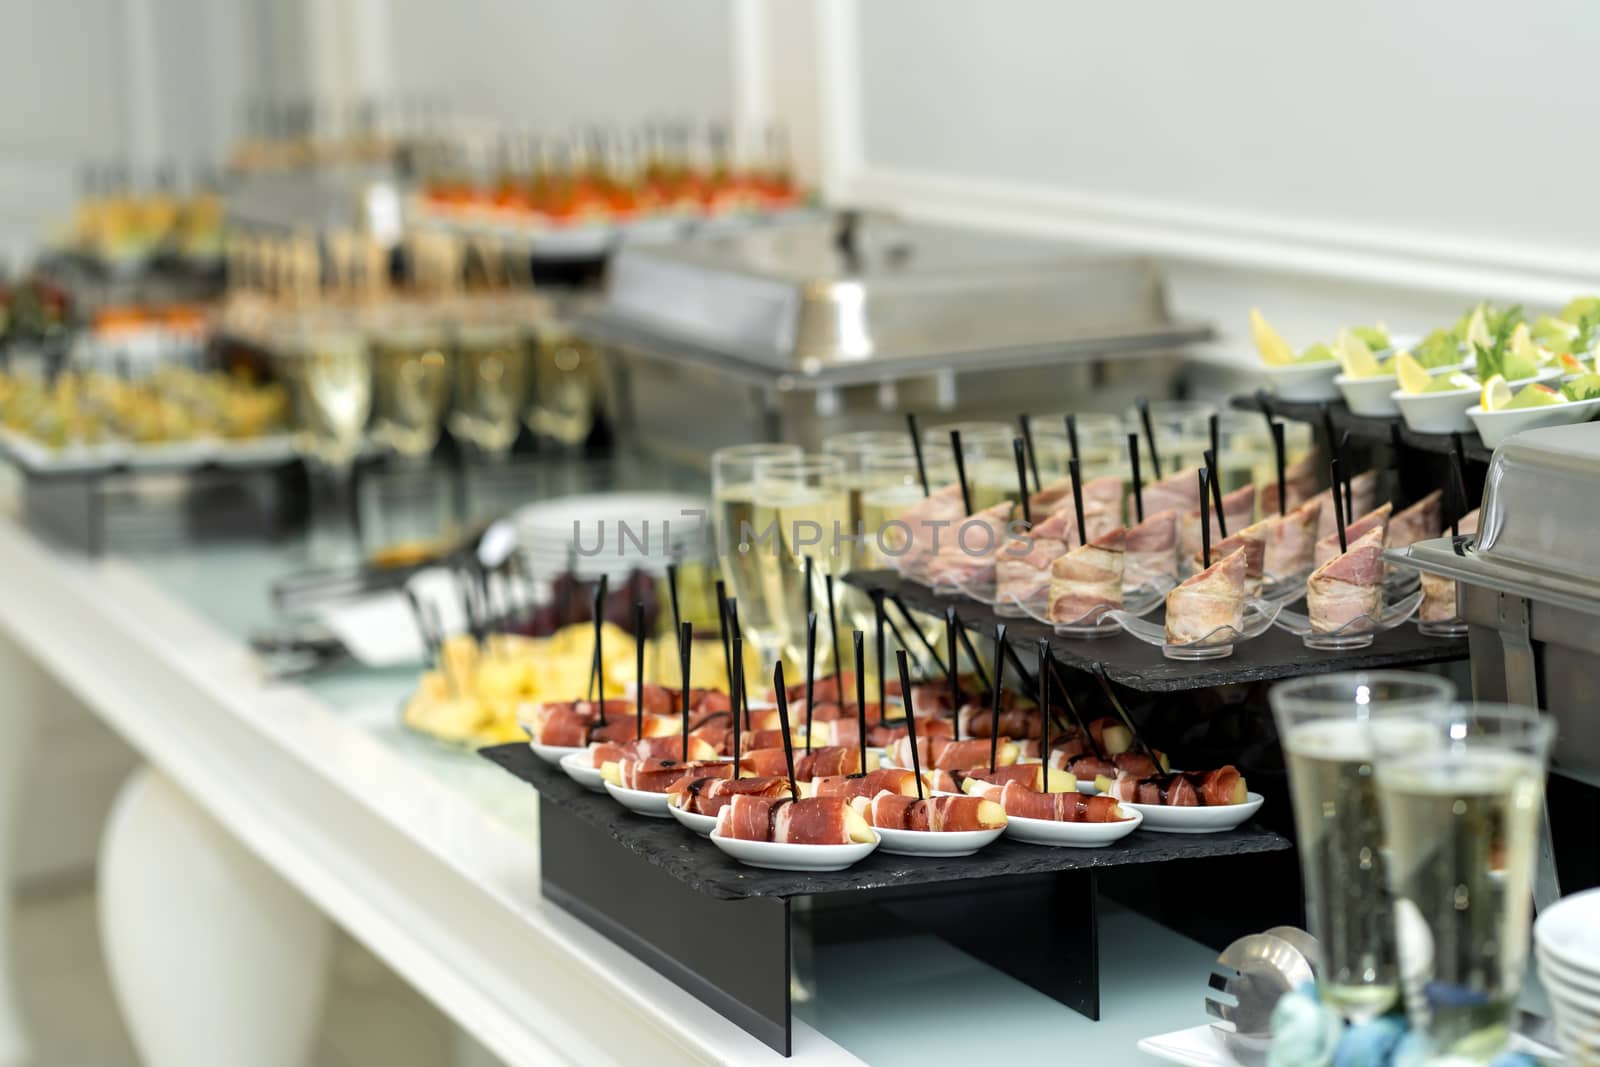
(1539, 530)
(809, 296)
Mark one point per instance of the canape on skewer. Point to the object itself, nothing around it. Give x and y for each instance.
(931, 518)
(1419, 522)
(884, 779)
(1292, 540)
(1179, 789)
(809, 821)
(943, 754)
(1238, 508)
(1151, 549)
(942, 814)
(1178, 491)
(1087, 581)
(1020, 802)
(818, 763)
(968, 550)
(1102, 498)
(1022, 570)
(1300, 484)
(658, 775)
(1253, 540)
(1439, 592)
(1363, 497)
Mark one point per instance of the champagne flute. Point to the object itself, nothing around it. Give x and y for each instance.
(854, 449)
(733, 493)
(1322, 724)
(492, 367)
(1461, 795)
(412, 373)
(986, 450)
(801, 508)
(1173, 422)
(1102, 444)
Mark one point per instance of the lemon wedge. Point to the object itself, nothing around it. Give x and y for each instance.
(1496, 393)
(1275, 351)
(1522, 344)
(1354, 355)
(1412, 376)
(1478, 329)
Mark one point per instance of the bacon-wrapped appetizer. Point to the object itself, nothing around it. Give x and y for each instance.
(943, 754)
(818, 763)
(1376, 519)
(1363, 497)
(705, 795)
(1020, 802)
(1348, 586)
(1291, 540)
(1181, 789)
(884, 779)
(1022, 570)
(811, 821)
(1419, 522)
(892, 811)
(1208, 600)
(1300, 485)
(931, 523)
(1151, 551)
(1439, 592)
(1178, 491)
(1253, 540)
(1102, 494)
(658, 775)
(1238, 507)
(1087, 581)
(969, 549)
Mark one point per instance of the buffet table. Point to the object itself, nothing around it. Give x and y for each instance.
(426, 854)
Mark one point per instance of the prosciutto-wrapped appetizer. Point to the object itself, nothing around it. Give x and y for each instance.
(1376, 519)
(1087, 581)
(943, 754)
(1439, 592)
(978, 721)
(1238, 507)
(572, 723)
(1300, 484)
(884, 779)
(969, 549)
(884, 734)
(1022, 570)
(1020, 802)
(1291, 540)
(1348, 586)
(658, 775)
(708, 796)
(661, 700)
(1029, 775)
(1418, 522)
(1151, 549)
(811, 821)
(1363, 498)
(892, 811)
(933, 517)
(1182, 789)
(1253, 540)
(1178, 491)
(1089, 768)
(701, 748)
(818, 763)
(768, 718)
(1208, 600)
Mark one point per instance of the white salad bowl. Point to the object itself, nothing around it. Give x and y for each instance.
(1495, 426)
(1304, 381)
(1446, 412)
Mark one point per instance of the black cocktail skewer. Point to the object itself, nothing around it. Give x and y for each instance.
(722, 631)
(1458, 477)
(961, 471)
(735, 631)
(861, 699)
(685, 646)
(597, 679)
(905, 616)
(1076, 716)
(1149, 436)
(1044, 709)
(833, 630)
(1281, 460)
(994, 695)
(1216, 491)
(1077, 497)
(1072, 436)
(1205, 518)
(1214, 428)
(638, 668)
(881, 620)
(1018, 447)
(1122, 713)
(950, 676)
(1138, 481)
(972, 654)
(811, 672)
(911, 718)
(1026, 425)
(672, 594)
(740, 709)
(916, 450)
(783, 724)
(1338, 502)
(1349, 490)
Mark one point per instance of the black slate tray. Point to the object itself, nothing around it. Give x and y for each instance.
(1367, 429)
(1132, 663)
(703, 867)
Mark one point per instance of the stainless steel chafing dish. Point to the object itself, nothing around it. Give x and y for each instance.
(795, 331)
(1528, 587)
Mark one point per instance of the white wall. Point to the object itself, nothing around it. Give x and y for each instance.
(1407, 157)
(537, 65)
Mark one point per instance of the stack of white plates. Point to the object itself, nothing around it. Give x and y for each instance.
(1566, 939)
(615, 533)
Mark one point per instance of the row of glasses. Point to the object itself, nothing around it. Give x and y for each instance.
(1417, 820)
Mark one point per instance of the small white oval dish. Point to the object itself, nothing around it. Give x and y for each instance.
(640, 801)
(787, 857)
(1196, 820)
(554, 753)
(693, 820)
(944, 843)
(1072, 834)
(580, 768)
